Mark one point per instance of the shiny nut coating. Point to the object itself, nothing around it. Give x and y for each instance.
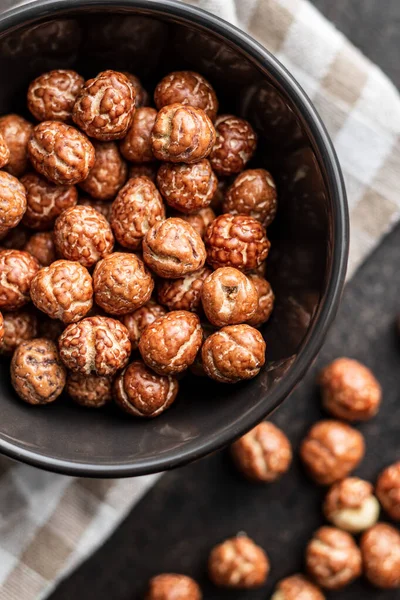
(252, 193)
(350, 505)
(235, 144)
(228, 297)
(17, 269)
(182, 134)
(18, 326)
(183, 293)
(238, 563)
(266, 300)
(105, 106)
(171, 586)
(200, 220)
(92, 391)
(349, 390)
(45, 201)
(64, 291)
(41, 246)
(380, 548)
(51, 96)
(95, 345)
(170, 344)
(172, 249)
(142, 393)
(136, 145)
(4, 152)
(60, 153)
(141, 95)
(234, 353)
(135, 210)
(137, 321)
(108, 174)
(81, 233)
(331, 450)
(37, 374)
(12, 201)
(187, 88)
(121, 283)
(187, 188)
(297, 587)
(16, 132)
(236, 241)
(388, 490)
(263, 454)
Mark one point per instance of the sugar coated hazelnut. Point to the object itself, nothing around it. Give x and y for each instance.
(95, 345)
(172, 249)
(234, 353)
(60, 153)
(108, 174)
(16, 132)
(349, 390)
(238, 563)
(136, 145)
(236, 241)
(388, 490)
(333, 559)
(135, 210)
(187, 188)
(18, 326)
(51, 96)
(331, 450)
(263, 454)
(182, 134)
(141, 95)
(81, 233)
(104, 208)
(12, 201)
(266, 300)
(171, 586)
(17, 269)
(297, 587)
(41, 246)
(147, 169)
(183, 293)
(105, 105)
(64, 291)
(200, 220)
(187, 88)
(252, 193)
(92, 391)
(380, 548)
(37, 374)
(234, 146)
(142, 393)
(351, 505)
(170, 344)
(45, 201)
(137, 321)
(4, 152)
(121, 283)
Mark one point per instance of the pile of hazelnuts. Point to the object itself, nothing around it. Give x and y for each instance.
(331, 450)
(108, 220)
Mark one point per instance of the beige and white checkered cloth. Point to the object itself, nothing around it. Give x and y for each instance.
(51, 523)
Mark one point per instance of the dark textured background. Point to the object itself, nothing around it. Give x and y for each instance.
(191, 509)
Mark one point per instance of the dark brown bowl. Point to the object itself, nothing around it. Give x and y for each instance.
(309, 238)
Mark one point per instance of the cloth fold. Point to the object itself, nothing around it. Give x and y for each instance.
(50, 523)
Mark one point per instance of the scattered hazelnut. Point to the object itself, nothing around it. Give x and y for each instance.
(138, 320)
(64, 291)
(333, 559)
(17, 269)
(92, 391)
(182, 134)
(233, 353)
(236, 241)
(238, 563)
(51, 96)
(170, 586)
(187, 188)
(4, 152)
(12, 201)
(349, 390)
(141, 96)
(266, 300)
(16, 132)
(104, 208)
(137, 207)
(234, 146)
(252, 193)
(147, 169)
(380, 548)
(183, 293)
(37, 373)
(187, 88)
(18, 326)
(136, 145)
(262, 454)
(81, 233)
(45, 201)
(331, 450)
(172, 249)
(105, 105)
(388, 490)
(60, 153)
(41, 246)
(200, 220)
(297, 587)
(108, 174)
(351, 505)
(95, 345)
(170, 344)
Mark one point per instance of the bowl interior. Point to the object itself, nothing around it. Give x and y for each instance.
(301, 265)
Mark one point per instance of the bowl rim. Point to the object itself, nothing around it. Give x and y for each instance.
(20, 15)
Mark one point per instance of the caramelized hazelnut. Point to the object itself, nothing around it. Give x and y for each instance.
(41, 246)
(104, 208)
(92, 391)
(234, 146)
(136, 145)
(183, 293)
(147, 169)
(4, 152)
(380, 548)
(252, 193)
(137, 321)
(266, 300)
(170, 586)
(18, 326)
(297, 587)
(351, 505)
(141, 96)
(238, 563)
(187, 88)
(45, 201)
(200, 220)
(108, 174)
(51, 96)
(17, 269)
(388, 490)
(12, 201)
(16, 132)
(187, 188)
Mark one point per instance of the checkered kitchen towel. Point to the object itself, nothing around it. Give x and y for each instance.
(50, 523)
